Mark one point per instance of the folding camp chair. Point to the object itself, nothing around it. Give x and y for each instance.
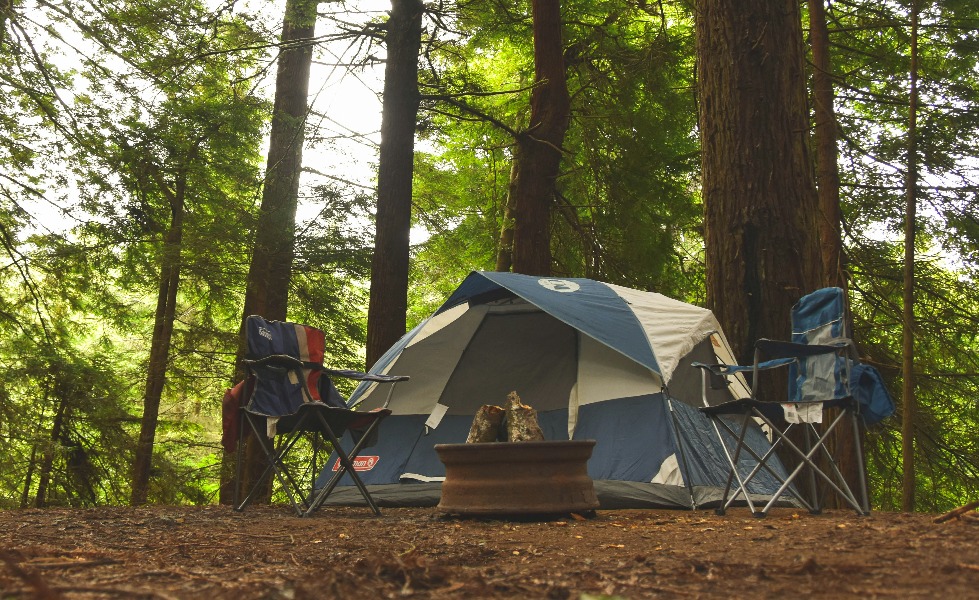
(823, 374)
(288, 392)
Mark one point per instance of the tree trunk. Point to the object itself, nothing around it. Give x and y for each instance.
(387, 311)
(504, 254)
(537, 157)
(760, 201)
(270, 272)
(47, 459)
(827, 169)
(841, 443)
(29, 478)
(759, 196)
(6, 9)
(267, 291)
(911, 195)
(166, 306)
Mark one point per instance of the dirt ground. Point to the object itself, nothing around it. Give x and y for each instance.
(266, 552)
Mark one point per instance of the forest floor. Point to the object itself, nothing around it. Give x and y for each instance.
(266, 552)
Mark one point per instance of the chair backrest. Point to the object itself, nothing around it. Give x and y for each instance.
(277, 391)
(820, 318)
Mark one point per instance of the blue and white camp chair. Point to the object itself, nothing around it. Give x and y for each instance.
(823, 374)
(288, 392)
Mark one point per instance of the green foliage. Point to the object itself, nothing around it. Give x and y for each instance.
(164, 99)
(870, 44)
(626, 207)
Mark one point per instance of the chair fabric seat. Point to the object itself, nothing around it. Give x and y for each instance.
(773, 411)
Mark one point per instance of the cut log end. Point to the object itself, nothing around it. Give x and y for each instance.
(522, 425)
(486, 424)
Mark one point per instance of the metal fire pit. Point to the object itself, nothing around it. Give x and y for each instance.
(517, 478)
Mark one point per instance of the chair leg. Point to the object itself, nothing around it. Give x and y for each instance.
(274, 466)
(299, 500)
(861, 467)
(807, 461)
(259, 439)
(346, 467)
(814, 501)
(733, 462)
(239, 458)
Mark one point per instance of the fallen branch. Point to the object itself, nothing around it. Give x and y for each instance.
(954, 514)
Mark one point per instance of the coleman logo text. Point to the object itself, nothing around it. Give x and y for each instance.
(361, 463)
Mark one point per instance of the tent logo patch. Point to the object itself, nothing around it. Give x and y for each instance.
(361, 463)
(559, 285)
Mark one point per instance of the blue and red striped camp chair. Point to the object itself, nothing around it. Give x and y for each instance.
(288, 392)
(823, 374)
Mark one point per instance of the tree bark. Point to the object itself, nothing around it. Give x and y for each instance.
(270, 271)
(760, 203)
(47, 458)
(388, 307)
(829, 219)
(537, 156)
(504, 254)
(29, 478)
(911, 195)
(166, 306)
(6, 10)
(759, 196)
(827, 169)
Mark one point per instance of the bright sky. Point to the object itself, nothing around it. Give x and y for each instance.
(345, 103)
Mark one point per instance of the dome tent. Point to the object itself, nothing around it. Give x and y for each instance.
(597, 361)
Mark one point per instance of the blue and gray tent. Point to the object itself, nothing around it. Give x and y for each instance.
(597, 361)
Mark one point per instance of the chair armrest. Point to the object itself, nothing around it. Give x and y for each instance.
(716, 376)
(722, 370)
(276, 360)
(358, 376)
(779, 349)
(290, 362)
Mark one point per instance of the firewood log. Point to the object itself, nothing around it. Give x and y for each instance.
(486, 424)
(957, 513)
(522, 425)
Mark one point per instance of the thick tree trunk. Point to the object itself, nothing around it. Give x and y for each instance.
(267, 290)
(270, 272)
(387, 311)
(537, 157)
(911, 194)
(166, 305)
(760, 200)
(759, 196)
